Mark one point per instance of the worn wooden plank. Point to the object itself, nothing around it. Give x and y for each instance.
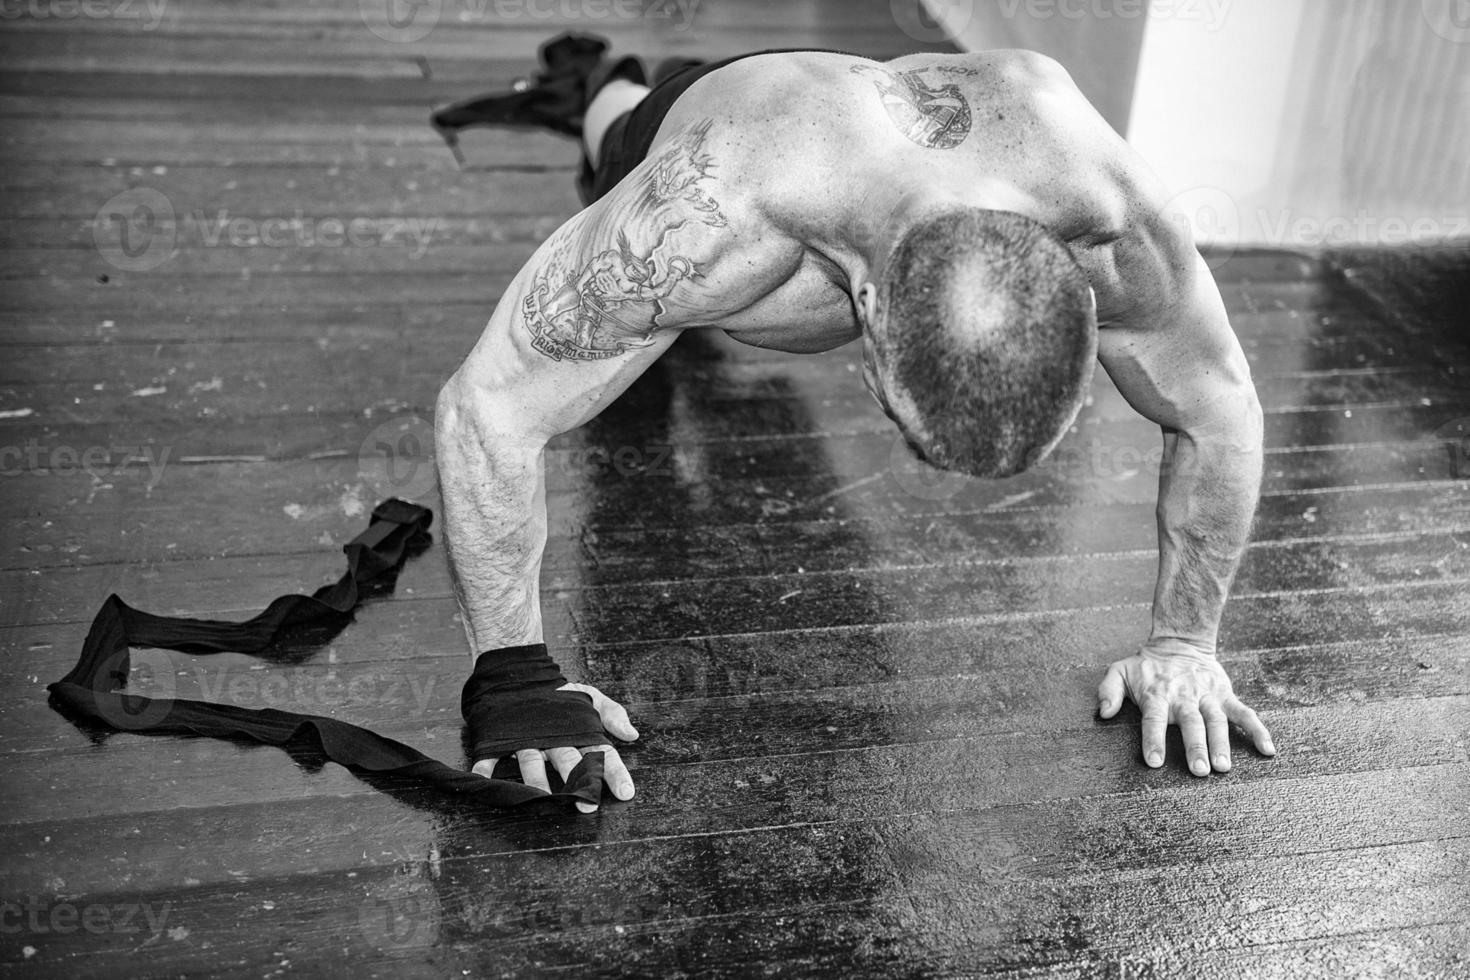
(182, 526)
(969, 584)
(660, 915)
(858, 736)
(372, 830)
(688, 719)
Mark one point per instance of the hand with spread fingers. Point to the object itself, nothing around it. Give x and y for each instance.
(1175, 683)
(564, 759)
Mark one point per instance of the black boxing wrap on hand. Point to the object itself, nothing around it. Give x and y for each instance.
(511, 701)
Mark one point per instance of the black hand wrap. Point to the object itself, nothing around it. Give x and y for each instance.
(93, 689)
(511, 702)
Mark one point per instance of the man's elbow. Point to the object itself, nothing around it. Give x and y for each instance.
(449, 421)
(471, 422)
(1232, 418)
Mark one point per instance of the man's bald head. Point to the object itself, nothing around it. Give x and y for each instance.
(983, 340)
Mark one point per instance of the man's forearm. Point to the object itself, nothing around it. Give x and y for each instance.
(1208, 487)
(494, 521)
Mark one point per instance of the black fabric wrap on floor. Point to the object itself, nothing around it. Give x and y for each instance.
(92, 688)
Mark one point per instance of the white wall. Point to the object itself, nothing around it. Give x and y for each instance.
(1292, 123)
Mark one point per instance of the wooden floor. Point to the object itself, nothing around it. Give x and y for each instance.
(870, 742)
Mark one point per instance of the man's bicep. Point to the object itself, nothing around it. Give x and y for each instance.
(669, 248)
(535, 371)
(1177, 361)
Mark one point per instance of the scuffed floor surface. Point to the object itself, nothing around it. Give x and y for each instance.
(869, 743)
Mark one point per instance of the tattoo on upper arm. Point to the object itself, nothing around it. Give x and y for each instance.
(936, 116)
(590, 309)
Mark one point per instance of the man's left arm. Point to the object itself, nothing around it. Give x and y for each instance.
(1172, 354)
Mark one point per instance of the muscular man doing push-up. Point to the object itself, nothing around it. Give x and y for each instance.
(973, 223)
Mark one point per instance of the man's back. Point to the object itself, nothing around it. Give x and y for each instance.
(816, 151)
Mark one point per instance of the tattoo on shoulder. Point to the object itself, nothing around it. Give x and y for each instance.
(933, 115)
(591, 309)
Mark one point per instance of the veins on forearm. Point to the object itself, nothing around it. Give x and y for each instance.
(1207, 498)
(494, 555)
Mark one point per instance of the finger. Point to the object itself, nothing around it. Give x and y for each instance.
(1196, 746)
(615, 720)
(614, 771)
(1155, 723)
(614, 716)
(485, 767)
(565, 759)
(533, 768)
(1251, 724)
(1217, 730)
(1110, 692)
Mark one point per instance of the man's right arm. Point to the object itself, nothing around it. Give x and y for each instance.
(603, 297)
(493, 420)
(669, 248)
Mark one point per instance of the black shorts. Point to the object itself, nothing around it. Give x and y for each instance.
(629, 137)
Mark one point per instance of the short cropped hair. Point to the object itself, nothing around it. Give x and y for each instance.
(988, 340)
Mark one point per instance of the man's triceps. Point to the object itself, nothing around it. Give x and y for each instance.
(602, 290)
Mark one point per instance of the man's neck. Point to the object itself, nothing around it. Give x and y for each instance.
(874, 229)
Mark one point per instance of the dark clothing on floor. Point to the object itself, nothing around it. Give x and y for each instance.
(630, 136)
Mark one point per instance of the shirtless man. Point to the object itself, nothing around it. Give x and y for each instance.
(974, 224)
